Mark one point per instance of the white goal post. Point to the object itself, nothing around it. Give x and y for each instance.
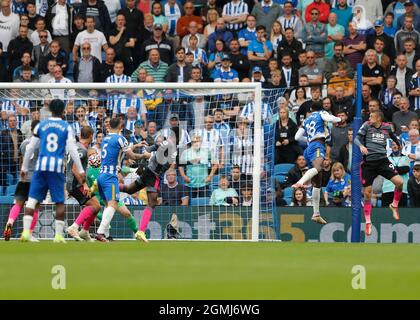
(37, 91)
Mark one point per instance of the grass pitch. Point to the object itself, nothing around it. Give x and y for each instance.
(208, 270)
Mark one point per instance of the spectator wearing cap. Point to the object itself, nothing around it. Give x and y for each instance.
(194, 31)
(239, 61)
(154, 66)
(184, 22)
(314, 33)
(158, 41)
(221, 33)
(123, 42)
(179, 71)
(410, 9)
(182, 137)
(257, 75)
(266, 12)
(407, 31)
(226, 73)
(389, 46)
(260, 51)
(59, 20)
(171, 192)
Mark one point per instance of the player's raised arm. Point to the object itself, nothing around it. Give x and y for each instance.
(72, 150)
(300, 134)
(330, 118)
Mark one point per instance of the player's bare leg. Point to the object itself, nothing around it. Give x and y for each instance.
(398, 182)
(111, 207)
(316, 191)
(147, 214)
(367, 208)
(310, 174)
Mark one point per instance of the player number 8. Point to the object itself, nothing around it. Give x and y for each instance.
(52, 142)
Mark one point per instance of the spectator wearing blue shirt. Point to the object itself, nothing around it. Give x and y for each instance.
(219, 34)
(344, 14)
(225, 73)
(388, 25)
(260, 51)
(338, 189)
(248, 34)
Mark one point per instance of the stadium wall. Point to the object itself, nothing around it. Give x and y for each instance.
(223, 223)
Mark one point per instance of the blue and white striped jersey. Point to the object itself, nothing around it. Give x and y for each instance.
(113, 148)
(112, 97)
(8, 107)
(415, 83)
(172, 14)
(235, 9)
(53, 135)
(315, 127)
(124, 102)
(248, 112)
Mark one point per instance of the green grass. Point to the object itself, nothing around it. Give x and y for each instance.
(208, 270)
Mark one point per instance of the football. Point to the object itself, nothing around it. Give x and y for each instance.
(94, 160)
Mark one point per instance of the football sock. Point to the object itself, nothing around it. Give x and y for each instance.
(316, 197)
(367, 209)
(147, 214)
(131, 221)
(106, 219)
(27, 220)
(397, 197)
(308, 176)
(14, 213)
(88, 222)
(83, 215)
(59, 227)
(34, 220)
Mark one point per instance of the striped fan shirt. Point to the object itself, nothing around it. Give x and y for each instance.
(415, 83)
(248, 112)
(7, 106)
(125, 102)
(224, 131)
(172, 14)
(113, 98)
(235, 9)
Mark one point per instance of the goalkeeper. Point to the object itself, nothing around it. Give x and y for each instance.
(92, 175)
(162, 156)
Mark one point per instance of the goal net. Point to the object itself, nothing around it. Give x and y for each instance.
(222, 187)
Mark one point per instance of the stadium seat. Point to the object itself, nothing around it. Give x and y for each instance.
(10, 190)
(288, 201)
(6, 199)
(226, 169)
(10, 179)
(199, 201)
(282, 168)
(215, 181)
(280, 178)
(287, 193)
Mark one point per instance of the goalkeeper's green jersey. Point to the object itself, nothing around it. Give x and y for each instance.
(92, 175)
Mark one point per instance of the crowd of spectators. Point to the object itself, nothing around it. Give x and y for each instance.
(306, 49)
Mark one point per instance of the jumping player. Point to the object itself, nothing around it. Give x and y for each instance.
(52, 137)
(372, 140)
(114, 146)
(316, 130)
(79, 190)
(22, 191)
(162, 155)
